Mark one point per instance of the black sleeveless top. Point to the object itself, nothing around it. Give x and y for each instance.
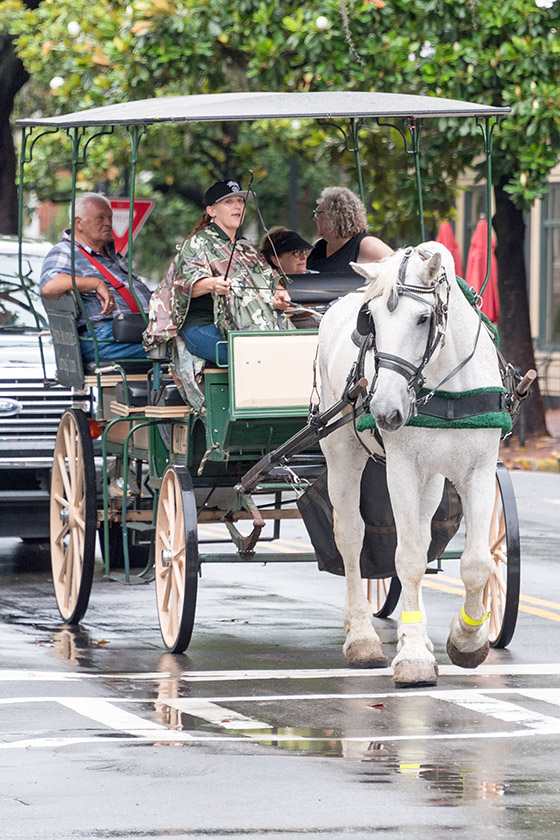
(340, 260)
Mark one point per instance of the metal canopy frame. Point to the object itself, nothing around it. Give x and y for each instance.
(355, 106)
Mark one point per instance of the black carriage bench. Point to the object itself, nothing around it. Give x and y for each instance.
(317, 291)
(123, 386)
(71, 369)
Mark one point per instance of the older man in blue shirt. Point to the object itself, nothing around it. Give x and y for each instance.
(101, 276)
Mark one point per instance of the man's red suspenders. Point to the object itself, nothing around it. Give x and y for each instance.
(117, 285)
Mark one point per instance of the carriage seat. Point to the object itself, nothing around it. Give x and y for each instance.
(172, 396)
(139, 392)
(71, 369)
(128, 365)
(318, 290)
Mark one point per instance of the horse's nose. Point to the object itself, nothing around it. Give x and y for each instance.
(392, 421)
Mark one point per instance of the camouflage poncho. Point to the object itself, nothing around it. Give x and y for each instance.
(206, 254)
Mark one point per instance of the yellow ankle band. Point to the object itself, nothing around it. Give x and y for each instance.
(473, 622)
(411, 617)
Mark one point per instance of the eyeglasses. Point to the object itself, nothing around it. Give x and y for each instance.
(316, 213)
(299, 254)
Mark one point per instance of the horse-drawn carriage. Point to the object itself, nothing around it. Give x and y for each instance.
(160, 467)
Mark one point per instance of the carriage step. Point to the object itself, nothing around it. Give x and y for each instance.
(143, 527)
(130, 580)
(260, 557)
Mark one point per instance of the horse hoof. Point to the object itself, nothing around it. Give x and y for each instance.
(364, 655)
(467, 659)
(409, 674)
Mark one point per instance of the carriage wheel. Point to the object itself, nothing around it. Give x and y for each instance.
(176, 558)
(501, 594)
(73, 517)
(383, 595)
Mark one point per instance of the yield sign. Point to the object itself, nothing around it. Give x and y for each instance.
(121, 216)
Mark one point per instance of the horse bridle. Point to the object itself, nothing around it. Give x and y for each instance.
(438, 325)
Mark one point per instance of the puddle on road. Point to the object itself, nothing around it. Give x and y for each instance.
(450, 786)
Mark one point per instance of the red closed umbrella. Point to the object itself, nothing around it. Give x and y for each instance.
(447, 237)
(476, 271)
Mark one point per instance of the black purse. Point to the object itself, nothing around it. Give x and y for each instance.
(128, 327)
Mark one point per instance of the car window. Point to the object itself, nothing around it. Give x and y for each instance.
(15, 310)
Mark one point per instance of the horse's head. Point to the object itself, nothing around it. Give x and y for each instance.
(405, 310)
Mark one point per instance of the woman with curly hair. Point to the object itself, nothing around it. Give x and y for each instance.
(341, 222)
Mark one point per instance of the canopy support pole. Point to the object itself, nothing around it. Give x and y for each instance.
(356, 150)
(25, 134)
(487, 132)
(414, 128)
(135, 134)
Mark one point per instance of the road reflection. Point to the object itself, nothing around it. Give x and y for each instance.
(74, 645)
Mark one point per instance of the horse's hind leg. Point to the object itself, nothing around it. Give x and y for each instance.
(468, 644)
(345, 464)
(414, 663)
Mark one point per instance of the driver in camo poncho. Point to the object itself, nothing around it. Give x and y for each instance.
(199, 300)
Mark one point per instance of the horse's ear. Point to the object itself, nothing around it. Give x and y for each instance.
(364, 323)
(430, 270)
(368, 270)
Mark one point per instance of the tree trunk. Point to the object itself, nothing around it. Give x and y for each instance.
(12, 77)
(515, 330)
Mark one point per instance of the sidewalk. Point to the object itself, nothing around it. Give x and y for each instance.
(538, 453)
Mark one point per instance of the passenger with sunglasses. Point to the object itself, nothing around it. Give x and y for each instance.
(285, 250)
(341, 222)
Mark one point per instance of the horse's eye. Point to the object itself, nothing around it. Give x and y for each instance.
(422, 319)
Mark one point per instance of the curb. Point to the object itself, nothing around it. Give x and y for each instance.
(550, 464)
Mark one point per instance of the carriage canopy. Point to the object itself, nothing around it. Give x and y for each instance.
(264, 105)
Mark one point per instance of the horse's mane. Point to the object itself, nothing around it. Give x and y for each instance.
(386, 279)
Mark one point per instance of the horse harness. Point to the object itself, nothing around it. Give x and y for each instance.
(430, 403)
(455, 407)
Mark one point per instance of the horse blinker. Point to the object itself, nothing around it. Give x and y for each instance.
(364, 324)
(392, 301)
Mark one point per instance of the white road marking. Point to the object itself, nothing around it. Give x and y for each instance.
(135, 729)
(513, 670)
(213, 713)
(38, 676)
(546, 695)
(105, 712)
(177, 737)
(508, 712)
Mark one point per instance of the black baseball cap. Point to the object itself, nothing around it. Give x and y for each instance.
(222, 189)
(285, 242)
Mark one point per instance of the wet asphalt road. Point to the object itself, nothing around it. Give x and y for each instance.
(260, 730)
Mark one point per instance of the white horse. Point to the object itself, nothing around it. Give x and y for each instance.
(424, 327)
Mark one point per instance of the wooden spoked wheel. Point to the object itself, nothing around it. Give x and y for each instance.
(383, 595)
(501, 594)
(176, 558)
(73, 515)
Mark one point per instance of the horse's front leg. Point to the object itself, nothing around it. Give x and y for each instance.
(467, 645)
(345, 466)
(414, 663)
